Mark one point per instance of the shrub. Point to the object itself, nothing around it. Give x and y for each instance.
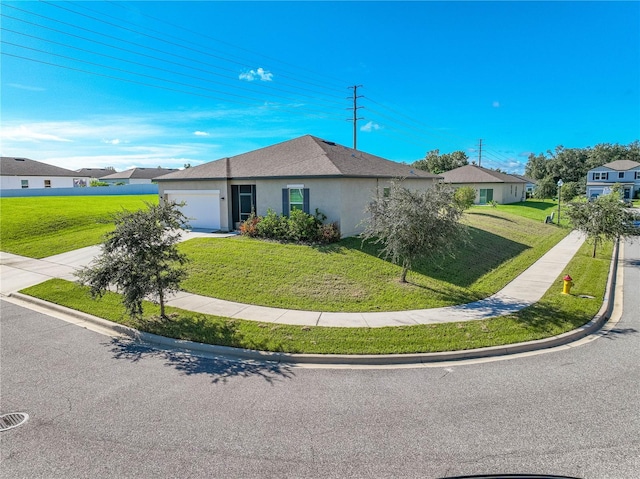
(329, 233)
(272, 226)
(464, 197)
(302, 226)
(299, 227)
(249, 227)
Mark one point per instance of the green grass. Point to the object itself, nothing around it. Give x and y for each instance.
(38, 227)
(554, 314)
(349, 276)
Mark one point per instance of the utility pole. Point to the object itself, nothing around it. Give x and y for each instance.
(480, 153)
(355, 109)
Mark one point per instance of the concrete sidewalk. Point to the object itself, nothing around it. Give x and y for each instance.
(18, 272)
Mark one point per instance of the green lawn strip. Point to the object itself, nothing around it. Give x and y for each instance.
(350, 276)
(554, 314)
(533, 209)
(38, 227)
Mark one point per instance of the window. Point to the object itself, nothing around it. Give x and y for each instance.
(295, 197)
(24, 183)
(637, 176)
(601, 176)
(47, 183)
(486, 195)
(386, 192)
(621, 174)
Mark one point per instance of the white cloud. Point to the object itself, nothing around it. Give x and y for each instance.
(496, 104)
(20, 86)
(29, 133)
(115, 141)
(201, 133)
(259, 73)
(370, 126)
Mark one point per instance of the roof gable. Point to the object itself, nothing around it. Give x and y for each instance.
(306, 156)
(478, 174)
(15, 166)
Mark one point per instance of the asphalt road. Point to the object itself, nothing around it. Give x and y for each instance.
(106, 408)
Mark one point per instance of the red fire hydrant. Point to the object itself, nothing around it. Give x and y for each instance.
(568, 283)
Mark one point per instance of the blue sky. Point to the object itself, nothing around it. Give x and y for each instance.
(125, 84)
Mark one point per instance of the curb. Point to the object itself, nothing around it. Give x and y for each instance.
(351, 359)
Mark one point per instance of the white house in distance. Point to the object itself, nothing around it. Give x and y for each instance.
(602, 178)
(22, 173)
(95, 173)
(136, 176)
(490, 185)
(305, 173)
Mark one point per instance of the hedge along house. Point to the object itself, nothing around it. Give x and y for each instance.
(490, 185)
(305, 173)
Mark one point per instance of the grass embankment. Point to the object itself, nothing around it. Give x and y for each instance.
(349, 276)
(38, 227)
(554, 314)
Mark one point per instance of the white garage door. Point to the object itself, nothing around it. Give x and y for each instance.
(202, 207)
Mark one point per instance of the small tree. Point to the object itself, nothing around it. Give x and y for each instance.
(140, 257)
(464, 197)
(605, 218)
(414, 224)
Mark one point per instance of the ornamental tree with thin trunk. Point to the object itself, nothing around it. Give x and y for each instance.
(412, 224)
(604, 219)
(140, 258)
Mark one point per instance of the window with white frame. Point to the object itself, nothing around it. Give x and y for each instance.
(620, 174)
(47, 183)
(24, 183)
(637, 176)
(601, 175)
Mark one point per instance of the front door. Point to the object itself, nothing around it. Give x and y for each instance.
(243, 202)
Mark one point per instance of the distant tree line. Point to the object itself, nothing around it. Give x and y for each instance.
(436, 163)
(572, 164)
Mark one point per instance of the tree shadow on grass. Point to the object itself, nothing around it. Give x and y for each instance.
(472, 259)
(482, 253)
(497, 217)
(218, 368)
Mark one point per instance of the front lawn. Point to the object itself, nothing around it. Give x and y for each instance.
(554, 314)
(349, 276)
(38, 227)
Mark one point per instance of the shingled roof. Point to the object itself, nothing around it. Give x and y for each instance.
(306, 156)
(95, 172)
(15, 166)
(139, 174)
(622, 165)
(478, 174)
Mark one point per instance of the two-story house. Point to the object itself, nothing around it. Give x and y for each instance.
(602, 178)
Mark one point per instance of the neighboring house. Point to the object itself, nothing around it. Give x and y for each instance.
(136, 176)
(625, 172)
(96, 173)
(490, 185)
(530, 187)
(23, 173)
(305, 173)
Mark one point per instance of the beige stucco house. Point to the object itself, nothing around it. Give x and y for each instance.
(490, 185)
(304, 173)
